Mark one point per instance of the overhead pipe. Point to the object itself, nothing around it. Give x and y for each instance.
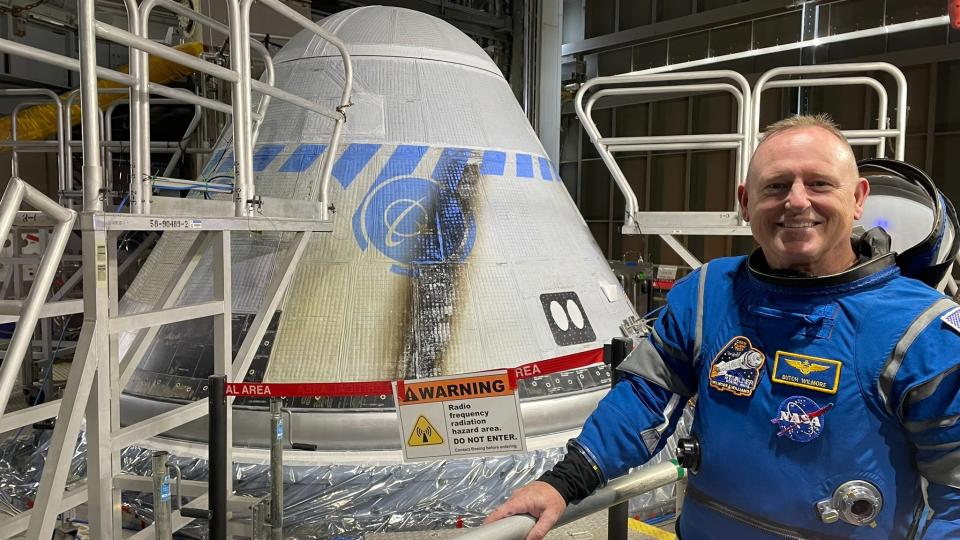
(931, 22)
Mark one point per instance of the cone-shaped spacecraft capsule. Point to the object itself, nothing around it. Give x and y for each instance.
(455, 247)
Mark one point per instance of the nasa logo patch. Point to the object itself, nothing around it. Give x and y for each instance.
(736, 368)
(800, 419)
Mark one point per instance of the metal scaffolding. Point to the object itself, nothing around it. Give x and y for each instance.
(668, 225)
(98, 374)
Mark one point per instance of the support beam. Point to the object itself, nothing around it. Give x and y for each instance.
(682, 251)
(10, 309)
(223, 336)
(17, 524)
(96, 292)
(548, 77)
(167, 299)
(53, 480)
(285, 268)
(705, 19)
(30, 415)
(159, 424)
(149, 319)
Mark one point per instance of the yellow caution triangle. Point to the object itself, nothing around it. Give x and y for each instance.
(424, 434)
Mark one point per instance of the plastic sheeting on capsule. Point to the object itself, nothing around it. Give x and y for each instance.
(329, 501)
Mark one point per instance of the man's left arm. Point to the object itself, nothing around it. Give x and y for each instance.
(926, 398)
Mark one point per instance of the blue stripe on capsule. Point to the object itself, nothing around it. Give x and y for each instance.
(524, 166)
(493, 162)
(545, 171)
(449, 169)
(264, 154)
(302, 158)
(352, 161)
(402, 163)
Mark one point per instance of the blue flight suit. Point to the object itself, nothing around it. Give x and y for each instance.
(859, 379)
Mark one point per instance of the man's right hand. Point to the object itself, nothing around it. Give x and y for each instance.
(540, 500)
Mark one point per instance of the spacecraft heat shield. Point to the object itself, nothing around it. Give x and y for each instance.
(455, 247)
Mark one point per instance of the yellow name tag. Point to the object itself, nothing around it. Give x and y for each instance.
(810, 372)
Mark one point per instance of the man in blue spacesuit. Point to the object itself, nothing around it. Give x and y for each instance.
(826, 383)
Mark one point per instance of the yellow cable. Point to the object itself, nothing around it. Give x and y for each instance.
(650, 530)
(40, 121)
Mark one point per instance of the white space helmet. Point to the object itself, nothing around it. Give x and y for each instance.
(921, 221)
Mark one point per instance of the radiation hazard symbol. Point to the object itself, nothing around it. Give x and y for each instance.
(424, 434)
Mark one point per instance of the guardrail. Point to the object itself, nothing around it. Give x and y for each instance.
(16, 193)
(615, 492)
(876, 136)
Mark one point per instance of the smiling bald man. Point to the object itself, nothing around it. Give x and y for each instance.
(844, 391)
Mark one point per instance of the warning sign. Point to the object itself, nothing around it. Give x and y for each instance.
(475, 415)
(424, 434)
(455, 389)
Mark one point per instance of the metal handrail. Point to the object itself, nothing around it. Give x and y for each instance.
(294, 16)
(16, 193)
(901, 123)
(240, 77)
(135, 42)
(269, 71)
(14, 120)
(617, 491)
(72, 64)
(68, 120)
(108, 133)
(854, 137)
(138, 43)
(61, 163)
(743, 96)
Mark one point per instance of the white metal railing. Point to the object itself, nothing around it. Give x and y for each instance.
(64, 145)
(743, 142)
(209, 22)
(95, 380)
(178, 150)
(617, 491)
(636, 221)
(73, 64)
(16, 193)
(239, 76)
(641, 85)
(876, 136)
(14, 162)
